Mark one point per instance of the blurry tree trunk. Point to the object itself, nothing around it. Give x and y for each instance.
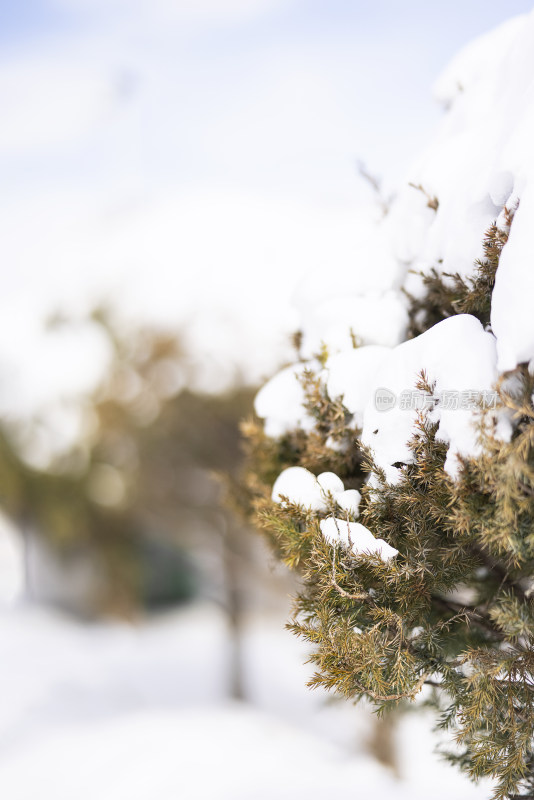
(232, 565)
(381, 742)
(24, 527)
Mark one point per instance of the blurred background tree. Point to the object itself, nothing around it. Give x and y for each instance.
(132, 517)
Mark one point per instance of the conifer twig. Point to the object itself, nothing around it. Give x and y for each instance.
(400, 696)
(342, 592)
(471, 614)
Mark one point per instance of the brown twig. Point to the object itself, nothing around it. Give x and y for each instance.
(400, 696)
(432, 202)
(356, 596)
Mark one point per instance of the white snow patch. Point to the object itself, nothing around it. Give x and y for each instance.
(280, 402)
(511, 310)
(481, 162)
(301, 486)
(351, 375)
(375, 318)
(355, 537)
(109, 710)
(330, 482)
(11, 563)
(349, 501)
(458, 356)
(478, 170)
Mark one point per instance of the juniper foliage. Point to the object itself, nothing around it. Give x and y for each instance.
(446, 294)
(453, 612)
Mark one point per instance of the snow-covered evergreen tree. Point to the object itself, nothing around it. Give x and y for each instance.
(394, 464)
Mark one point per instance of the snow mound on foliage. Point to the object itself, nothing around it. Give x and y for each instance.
(281, 402)
(459, 359)
(300, 486)
(351, 375)
(356, 537)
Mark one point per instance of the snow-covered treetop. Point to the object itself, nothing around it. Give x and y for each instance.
(478, 172)
(401, 444)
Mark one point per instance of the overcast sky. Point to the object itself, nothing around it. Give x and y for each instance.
(191, 160)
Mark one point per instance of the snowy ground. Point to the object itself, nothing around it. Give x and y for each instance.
(130, 712)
